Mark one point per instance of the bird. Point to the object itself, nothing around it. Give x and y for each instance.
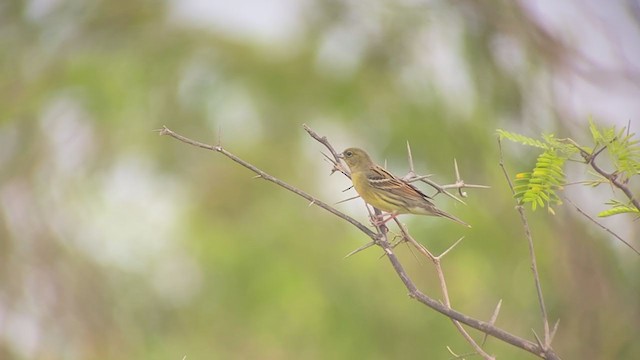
(385, 191)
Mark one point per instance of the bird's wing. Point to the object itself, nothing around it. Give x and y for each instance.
(384, 180)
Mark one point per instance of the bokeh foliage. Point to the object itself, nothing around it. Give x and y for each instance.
(115, 243)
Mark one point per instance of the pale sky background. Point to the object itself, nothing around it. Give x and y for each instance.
(604, 31)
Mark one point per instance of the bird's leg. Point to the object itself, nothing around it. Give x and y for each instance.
(379, 221)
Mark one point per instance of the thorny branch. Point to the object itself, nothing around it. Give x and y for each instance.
(443, 284)
(379, 238)
(440, 189)
(411, 177)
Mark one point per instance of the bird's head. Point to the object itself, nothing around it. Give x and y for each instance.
(357, 159)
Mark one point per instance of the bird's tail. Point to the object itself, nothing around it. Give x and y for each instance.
(450, 217)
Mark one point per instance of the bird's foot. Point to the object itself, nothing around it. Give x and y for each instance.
(380, 220)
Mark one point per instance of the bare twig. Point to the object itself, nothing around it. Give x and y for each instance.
(532, 254)
(380, 239)
(337, 165)
(337, 162)
(602, 226)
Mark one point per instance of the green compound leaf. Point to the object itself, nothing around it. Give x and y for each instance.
(521, 139)
(539, 186)
(618, 208)
(625, 154)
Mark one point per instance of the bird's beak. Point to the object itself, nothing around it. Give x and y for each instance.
(340, 156)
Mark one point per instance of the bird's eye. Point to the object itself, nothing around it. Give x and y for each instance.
(349, 154)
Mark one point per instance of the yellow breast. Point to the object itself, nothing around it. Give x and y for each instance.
(369, 194)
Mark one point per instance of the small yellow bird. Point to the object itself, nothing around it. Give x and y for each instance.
(384, 191)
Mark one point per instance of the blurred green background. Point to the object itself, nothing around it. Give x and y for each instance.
(119, 244)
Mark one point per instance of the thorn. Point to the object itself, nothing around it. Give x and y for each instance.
(450, 248)
(494, 317)
(492, 321)
(363, 247)
(345, 200)
(462, 193)
(219, 136)
(163, 131)
(415, 256)
(455, 165)
(311, 203)
(257, 177)
(410, 157)
(452, 353)
(328, 158)
(538, 339)
(553, 332)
